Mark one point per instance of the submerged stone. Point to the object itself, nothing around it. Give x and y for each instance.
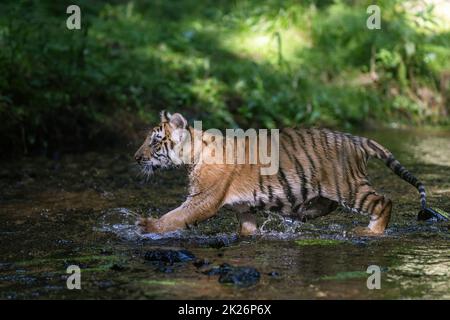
(164, 269)
(200, 263)
(169, 256)
(118, 267)
(239, 276)
(274, 274)
(222, 269)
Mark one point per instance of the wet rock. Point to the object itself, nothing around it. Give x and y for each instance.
(241, 276)
(169, 256)
(199, 263)
(63, 242)
(106, 252)
(103, 284)
(238, 276)
(274, 274)
(164, 269)
(118, 267)
(222, 269)
(221, 242)
(433, 215)
(5, 265)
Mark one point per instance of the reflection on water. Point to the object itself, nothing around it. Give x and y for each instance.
(82, 210)
(426, 267)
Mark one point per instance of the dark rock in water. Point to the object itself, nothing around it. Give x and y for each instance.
(239, 276)
(274, 274)
(220, 242)
(106, 252)
(117, 267)
(164, 269)
(222, 269)
(434, 215)
(200, 263)
(169, 256)
(104, 284)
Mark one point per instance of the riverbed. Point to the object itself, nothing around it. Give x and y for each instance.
(80, 210)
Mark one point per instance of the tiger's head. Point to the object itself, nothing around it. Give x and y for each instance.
(159, 149)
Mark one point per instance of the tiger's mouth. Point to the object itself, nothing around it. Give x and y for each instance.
(148, 167)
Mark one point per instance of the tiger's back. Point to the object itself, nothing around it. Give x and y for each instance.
(313, 163)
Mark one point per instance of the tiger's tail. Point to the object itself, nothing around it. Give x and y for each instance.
(374, 149)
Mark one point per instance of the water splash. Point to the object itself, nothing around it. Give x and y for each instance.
(121, 222)
(279, 227)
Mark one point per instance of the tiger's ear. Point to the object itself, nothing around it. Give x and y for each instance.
(179, 125)
(177, 121)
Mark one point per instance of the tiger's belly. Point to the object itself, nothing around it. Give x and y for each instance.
(271, 202)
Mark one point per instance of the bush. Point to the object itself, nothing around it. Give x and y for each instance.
(244, 63)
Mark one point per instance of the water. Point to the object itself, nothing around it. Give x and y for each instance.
(81, 210)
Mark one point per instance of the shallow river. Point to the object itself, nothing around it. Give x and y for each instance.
(80, 210)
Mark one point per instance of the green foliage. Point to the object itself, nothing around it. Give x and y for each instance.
(230, 63)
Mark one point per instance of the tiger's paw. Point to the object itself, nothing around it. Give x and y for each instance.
(365, 232)
(149, 225)
(248, 229)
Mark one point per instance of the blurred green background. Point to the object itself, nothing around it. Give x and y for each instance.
(229, 63)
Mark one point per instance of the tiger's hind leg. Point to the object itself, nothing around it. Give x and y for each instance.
(318, 207)
(367, 200)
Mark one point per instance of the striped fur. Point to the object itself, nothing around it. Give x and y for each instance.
(319, 170)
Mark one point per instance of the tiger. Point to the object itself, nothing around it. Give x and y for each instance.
(319, 171)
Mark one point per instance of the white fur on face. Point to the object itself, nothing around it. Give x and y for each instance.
(162, 156)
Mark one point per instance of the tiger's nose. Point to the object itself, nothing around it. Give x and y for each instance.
(138, 157)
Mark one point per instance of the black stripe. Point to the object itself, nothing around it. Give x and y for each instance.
(319, 157)
(286, 187)
(345, 165)
(373, 205)
(351, 169)
(389, 160)
(291, 140)
(311, 163)
(307, 154)
(261, 183)
(380, 153)
(291, 198)
(335, 175)
(300, 171)
(325, 136)
(301, 174)
(362, 201)
(270, 193)
(359, 164)
(261, 204)
(279, 205)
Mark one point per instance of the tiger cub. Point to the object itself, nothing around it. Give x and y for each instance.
(319, 170)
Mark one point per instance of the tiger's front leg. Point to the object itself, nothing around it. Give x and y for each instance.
(193, 210)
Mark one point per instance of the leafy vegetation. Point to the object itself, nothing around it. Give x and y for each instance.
(230, 63)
